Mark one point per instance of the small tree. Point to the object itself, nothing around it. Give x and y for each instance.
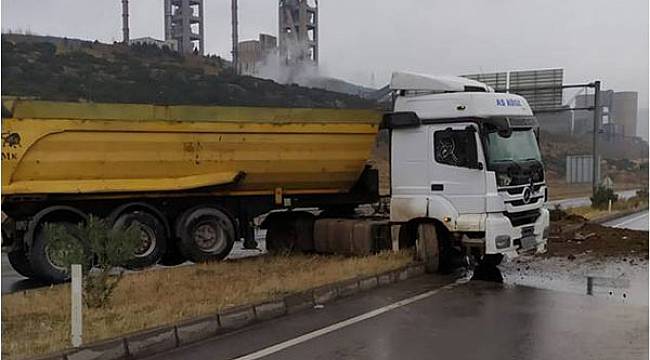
(602, 196)
(94, 240)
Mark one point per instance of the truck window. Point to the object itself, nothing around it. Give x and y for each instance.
(455, 148)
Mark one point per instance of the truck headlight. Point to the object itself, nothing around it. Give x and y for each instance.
(503, 180)
(502, 241)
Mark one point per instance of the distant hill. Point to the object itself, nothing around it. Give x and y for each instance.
(61, 69)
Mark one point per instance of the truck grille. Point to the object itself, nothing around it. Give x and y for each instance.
(522, 203)
(520, 189)
(523, 218)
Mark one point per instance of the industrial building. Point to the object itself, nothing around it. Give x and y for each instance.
(620, 113)
(298, 32)
(256, 53)
(184, 24)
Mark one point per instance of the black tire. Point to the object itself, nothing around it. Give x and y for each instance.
(44, 268)
(206, 234)
(153, 235)
(277, 235)
(20, 262)
(291, 232)
(172, 256)
(487, 269)
(407, 236)
(428, 248)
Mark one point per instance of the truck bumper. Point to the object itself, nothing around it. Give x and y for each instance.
(501, 237)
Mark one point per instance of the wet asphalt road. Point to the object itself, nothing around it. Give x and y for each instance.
(473, 320)
(638, 221)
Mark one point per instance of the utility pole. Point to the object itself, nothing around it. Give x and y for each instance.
(125, 21)
(598, 117)
(235, 37)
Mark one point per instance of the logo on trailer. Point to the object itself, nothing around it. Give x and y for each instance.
(11, 140)
(509, 103)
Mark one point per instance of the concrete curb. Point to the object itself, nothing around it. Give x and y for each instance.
(158, 340)
(603, 219)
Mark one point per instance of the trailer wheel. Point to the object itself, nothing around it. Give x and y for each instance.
(207, 234)
(428, 249)
(44, 263)
(173, 256)
(20, 262)
(152, 235)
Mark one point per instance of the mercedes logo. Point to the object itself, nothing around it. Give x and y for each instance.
(528, 192)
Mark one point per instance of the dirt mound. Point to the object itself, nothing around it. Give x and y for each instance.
(560, 215)
(570, 238)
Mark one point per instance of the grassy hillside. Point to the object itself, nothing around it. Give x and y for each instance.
(87, 71)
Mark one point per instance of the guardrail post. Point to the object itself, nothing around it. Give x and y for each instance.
(76, 319)
(394, 235)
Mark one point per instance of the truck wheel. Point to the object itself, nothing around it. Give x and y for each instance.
(20, 262)
(207, 234)
(173, 256)
(44, 263)
(291, 231)
(427, 246)
(152, 235)
(487, 269)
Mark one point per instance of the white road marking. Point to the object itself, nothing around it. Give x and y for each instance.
(631, 220)
(345, 323)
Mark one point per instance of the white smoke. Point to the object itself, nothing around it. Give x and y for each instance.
(283, 72)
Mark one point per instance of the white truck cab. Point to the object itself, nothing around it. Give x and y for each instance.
(466, 160)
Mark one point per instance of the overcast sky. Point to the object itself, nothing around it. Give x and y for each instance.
(590, 39)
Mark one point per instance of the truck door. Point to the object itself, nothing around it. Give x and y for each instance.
(457, 166)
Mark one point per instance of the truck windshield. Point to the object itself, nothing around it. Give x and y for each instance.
(521, 145)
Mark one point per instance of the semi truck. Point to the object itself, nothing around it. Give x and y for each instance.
(466, 175)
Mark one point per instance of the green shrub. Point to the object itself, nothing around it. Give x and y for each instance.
(94, 242)
(602, 196)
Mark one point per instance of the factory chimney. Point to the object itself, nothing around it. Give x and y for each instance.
(125, 21)
(235, 37)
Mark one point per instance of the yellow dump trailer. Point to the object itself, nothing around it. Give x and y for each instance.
(70, 148)
(185, 174)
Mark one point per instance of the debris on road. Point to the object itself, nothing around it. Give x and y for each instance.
(572, 235)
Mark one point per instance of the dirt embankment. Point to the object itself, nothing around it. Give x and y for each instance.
(573, 235)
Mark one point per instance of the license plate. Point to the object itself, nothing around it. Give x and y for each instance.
(528, 231)
(528, 243)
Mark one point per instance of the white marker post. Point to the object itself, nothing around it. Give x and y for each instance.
(76, 315)
(609, 206)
